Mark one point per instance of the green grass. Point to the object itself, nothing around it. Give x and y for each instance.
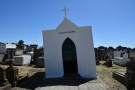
(105, 74)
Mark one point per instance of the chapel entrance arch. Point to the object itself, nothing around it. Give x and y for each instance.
(69, 57)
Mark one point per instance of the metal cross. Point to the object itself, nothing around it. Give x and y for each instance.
(65, 11)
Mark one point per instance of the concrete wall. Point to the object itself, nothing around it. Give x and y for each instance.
(18, 51)
(82, 37)
(1, 57)
(131, 53)
(117, 53)
(22, 59)
(120, 61)
(2, 48)
(10, 46)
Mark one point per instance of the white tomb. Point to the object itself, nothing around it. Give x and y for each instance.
(22, 60)
(120, 58)
(4, 47)
(69, 49)
(19, 51)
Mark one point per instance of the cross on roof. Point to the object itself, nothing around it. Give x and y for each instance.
(65, 11)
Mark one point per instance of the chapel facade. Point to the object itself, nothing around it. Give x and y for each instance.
(69, 49)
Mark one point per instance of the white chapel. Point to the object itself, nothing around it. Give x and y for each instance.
(69, 49)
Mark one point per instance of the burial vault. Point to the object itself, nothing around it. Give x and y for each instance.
(69, 49)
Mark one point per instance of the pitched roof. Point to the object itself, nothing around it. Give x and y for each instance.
(66, 23)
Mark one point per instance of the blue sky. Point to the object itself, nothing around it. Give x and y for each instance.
(113, 21)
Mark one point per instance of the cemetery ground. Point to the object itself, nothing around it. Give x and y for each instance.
(105, 74)
(31, 77)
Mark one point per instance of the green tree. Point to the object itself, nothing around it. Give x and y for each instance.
(20, 44)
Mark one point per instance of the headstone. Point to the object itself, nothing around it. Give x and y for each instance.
(97, 57)
(3, 80)
(97, 61)
(12, 74)
(130, 75)
(40, 62)
(109, 61)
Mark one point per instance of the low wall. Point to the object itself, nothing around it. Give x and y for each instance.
(119, 77)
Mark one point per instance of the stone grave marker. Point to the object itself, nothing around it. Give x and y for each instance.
(130, 74)
(3, 80)
(109, 61)
(39, 62)
(12, 75)
(4, 84)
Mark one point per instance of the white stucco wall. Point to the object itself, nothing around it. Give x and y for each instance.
(82, 38)
(18, 51)
(22, 59)
(3, 47)
(120, 61)
(11, 46)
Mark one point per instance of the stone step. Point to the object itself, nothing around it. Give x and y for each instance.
(72, 77)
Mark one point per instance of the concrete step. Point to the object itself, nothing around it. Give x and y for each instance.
(72, 77)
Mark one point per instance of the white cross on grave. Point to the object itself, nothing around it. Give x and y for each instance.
(65, 11)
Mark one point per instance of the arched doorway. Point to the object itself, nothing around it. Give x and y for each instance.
(69, 57)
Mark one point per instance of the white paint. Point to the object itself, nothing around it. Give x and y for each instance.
(10, 46)
(120, 60)
(82, 38)
(22, 59)
(19, 51)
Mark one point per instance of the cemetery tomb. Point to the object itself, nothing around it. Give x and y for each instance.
(39, 62)
(22, 60)
(4, 47)
(68, 50)
(120, 58)
(1, 57)
(120, 61)
(19, 51)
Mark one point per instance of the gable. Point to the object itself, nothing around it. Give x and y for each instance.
(66, 25)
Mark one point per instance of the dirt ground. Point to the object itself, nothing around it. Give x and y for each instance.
(105, 74)
(25, 70)
(29, 77)
(36, 75)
